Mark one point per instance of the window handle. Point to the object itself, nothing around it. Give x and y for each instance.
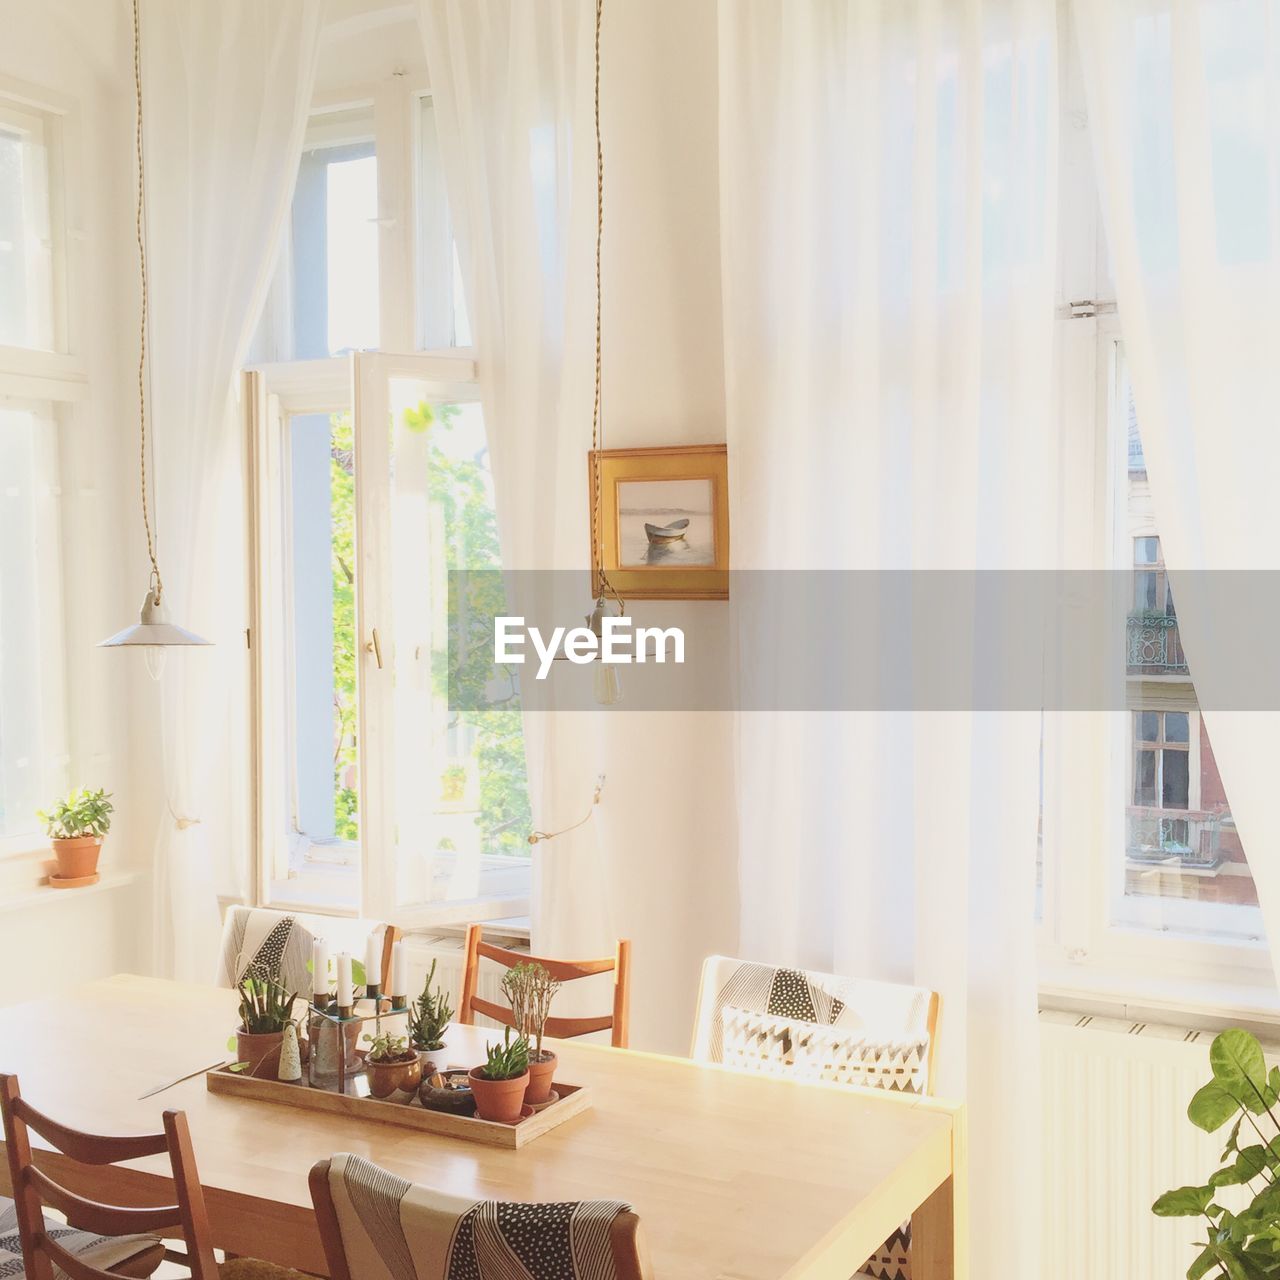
(374, 647)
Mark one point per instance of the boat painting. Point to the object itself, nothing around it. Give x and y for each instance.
(660, 534)
(665, 522)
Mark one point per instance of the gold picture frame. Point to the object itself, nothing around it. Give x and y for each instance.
(664, 521)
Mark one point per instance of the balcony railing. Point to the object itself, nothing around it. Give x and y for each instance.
(1187, 837)
(1153, 645)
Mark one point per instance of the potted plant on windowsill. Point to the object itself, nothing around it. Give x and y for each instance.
(391, 1064)
(530, 990)
(429, 1018)
(76, 827)
(266, 1008)
(498, 1086)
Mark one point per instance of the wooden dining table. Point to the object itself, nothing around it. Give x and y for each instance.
(734, 1176)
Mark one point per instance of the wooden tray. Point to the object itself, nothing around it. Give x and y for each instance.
(405, 1109)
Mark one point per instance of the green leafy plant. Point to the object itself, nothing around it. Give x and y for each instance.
(385, 1047)
(266, 1004)
(530, 988)
(508, 1060)
(1244, 1243)
(429, 1015)
(82, 813)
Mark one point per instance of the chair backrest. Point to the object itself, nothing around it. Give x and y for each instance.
(776, 1020)
(619, 964)
(33, 1189)
(375, 1225)
(258, 936)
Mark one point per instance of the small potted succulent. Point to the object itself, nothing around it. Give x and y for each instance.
(76, 827)
(391, 1064)
(429, 1018)
(530, 989)
(266, 1008)
(498, 1086)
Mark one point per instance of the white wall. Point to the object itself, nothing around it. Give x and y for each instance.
(81, 51)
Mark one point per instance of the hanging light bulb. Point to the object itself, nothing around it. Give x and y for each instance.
(153, 632)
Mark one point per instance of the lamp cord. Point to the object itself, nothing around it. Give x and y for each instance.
(603, 586)
(537, 837)
(157, 586)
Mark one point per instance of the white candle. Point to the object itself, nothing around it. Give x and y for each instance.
(373, 960)
(399, 971)
(319, 967)
(344, 980)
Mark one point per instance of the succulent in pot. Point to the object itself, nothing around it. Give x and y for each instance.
(530, 988)
(76, 827)
(266, 1008)
(429, 1017)
(391, 1064)
(498, 1086)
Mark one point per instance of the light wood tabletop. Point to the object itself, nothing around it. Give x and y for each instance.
(735, 1176)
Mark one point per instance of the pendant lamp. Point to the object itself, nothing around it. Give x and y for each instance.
(154, 632)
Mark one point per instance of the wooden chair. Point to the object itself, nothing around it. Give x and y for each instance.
(45, 1255)
(259, 935)
(819, 1026)
(371, 1219)
(619, 964)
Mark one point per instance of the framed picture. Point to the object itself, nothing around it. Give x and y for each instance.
(664, 521)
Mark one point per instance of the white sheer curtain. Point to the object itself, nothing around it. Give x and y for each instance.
(511, 85)
(1183, 107)
(227, 87)
(887, 197)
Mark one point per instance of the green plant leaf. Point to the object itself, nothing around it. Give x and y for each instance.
(357, 973)
(1249, 1163)
(238, 1067)
(1204, 1261)
(1233, 1139)
(231, 1044)
(1184, 1202)
(1212, 1106)
(1235, 1056)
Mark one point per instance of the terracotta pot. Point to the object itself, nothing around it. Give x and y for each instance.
(386, 1077)
(500, 1100)
(261, 1050)
(77, 858)
(542, 1070)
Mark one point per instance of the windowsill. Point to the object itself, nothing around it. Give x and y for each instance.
(44, 894)
(1145, 998)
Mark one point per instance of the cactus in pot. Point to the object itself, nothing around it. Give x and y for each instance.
(530, 988)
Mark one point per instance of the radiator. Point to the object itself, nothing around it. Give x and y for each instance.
(447, 951)
(1116, 1136)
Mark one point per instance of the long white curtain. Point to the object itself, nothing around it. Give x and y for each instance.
(887, 197)
(511, 85)
(227, 88)
(1184, 109)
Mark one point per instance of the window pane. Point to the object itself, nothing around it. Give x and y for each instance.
(1175, 774)
(1184, 868)
(322, 534)
(334, 245)
(26, 250)
(33, 743)
(461, 787)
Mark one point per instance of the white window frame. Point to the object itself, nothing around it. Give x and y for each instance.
(34, 378)
(1087, 960)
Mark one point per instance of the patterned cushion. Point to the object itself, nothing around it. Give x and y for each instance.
(256, 940)
(393, 1229)
(764, 1042)
(103, 1252)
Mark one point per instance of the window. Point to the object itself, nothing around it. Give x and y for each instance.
(442, 308)
(334, 238)
(27, 241)
(33, 739)
(1144, 887)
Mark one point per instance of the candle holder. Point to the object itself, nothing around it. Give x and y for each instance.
(336, 1059)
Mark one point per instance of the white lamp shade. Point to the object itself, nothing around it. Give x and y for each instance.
(152, 628)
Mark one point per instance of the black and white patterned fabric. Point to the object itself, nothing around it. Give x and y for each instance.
(256, 940)
(818, 1026)
(393, 1229)
(102, 1252)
